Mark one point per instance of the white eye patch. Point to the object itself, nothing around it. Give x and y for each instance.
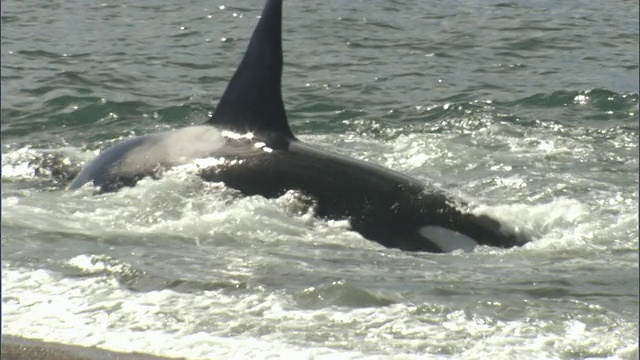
(447, 240)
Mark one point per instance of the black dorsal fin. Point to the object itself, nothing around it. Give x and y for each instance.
(253, 98)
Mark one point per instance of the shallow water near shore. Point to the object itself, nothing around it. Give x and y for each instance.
(528, 111)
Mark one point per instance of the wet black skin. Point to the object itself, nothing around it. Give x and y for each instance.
(381, 204)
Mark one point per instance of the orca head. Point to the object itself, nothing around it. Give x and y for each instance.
(252, 101)
(470, 231)
(447, 240)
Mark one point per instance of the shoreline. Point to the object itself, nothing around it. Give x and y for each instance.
(21, 348)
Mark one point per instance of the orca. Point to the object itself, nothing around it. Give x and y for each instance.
(249, 128)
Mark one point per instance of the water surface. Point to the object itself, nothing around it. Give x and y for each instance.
(527, 110)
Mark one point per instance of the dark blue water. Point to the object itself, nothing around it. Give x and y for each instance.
(528, 110)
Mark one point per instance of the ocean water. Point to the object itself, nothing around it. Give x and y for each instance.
(529, 110)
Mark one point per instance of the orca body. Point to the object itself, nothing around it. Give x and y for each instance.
(250, 126)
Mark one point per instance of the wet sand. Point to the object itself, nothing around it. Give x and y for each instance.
(18, 348)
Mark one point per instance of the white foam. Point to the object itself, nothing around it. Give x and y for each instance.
(94, 312)
(97, 311)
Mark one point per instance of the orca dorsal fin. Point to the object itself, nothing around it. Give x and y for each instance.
(252, 100)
